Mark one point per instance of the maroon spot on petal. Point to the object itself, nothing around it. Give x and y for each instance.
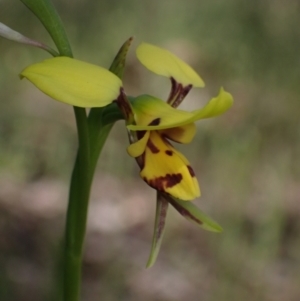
(191, 171)
(160, 183)
(152, 147)
(140, 134)
(169, 152)
(124, 104)
(173, 179)
(155, 122)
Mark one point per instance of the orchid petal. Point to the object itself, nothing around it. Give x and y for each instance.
(192, 213)
(181, 134)
(74, 82)
(151, 112)
(137, 149)
(167, 170)
(163, 62)
(154, 114)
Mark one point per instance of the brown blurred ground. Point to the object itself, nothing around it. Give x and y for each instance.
(247, 160)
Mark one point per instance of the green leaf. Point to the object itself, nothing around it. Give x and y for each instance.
(159, 227)
(192, 213)
(47, 14)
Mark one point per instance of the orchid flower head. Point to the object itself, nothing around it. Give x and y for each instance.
(154, 125)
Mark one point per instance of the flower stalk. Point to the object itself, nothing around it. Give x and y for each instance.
(82, 175)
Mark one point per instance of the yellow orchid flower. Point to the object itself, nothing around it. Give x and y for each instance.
(157, 122)
(151, 121)
(164, 168)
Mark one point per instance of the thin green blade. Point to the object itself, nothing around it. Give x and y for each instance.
(47, 14)
(159, 227)
(118, 65)
(192, 213)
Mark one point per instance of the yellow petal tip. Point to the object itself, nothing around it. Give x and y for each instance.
(163, 62)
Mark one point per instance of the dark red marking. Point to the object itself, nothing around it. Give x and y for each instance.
(140, 134)
(124, 105)
(160, 183)
(183, 91)
(173, 179)
(152, 147)
(174, 91)
(155, 122)
(191, 171)
(169, 152)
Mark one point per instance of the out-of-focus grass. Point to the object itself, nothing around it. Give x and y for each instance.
(247, 160)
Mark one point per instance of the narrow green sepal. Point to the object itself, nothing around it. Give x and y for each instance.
(101, 120)
(111, 113)
(192, 213)
(12, 35)
(118, 65)
(47, 14)
(159, 227)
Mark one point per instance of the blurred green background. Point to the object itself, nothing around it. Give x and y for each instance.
(247, 160)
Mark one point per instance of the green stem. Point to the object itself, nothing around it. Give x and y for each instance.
(80, 181)
(98, 131)
(91, 138)
(77, 211)
(92, 132)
